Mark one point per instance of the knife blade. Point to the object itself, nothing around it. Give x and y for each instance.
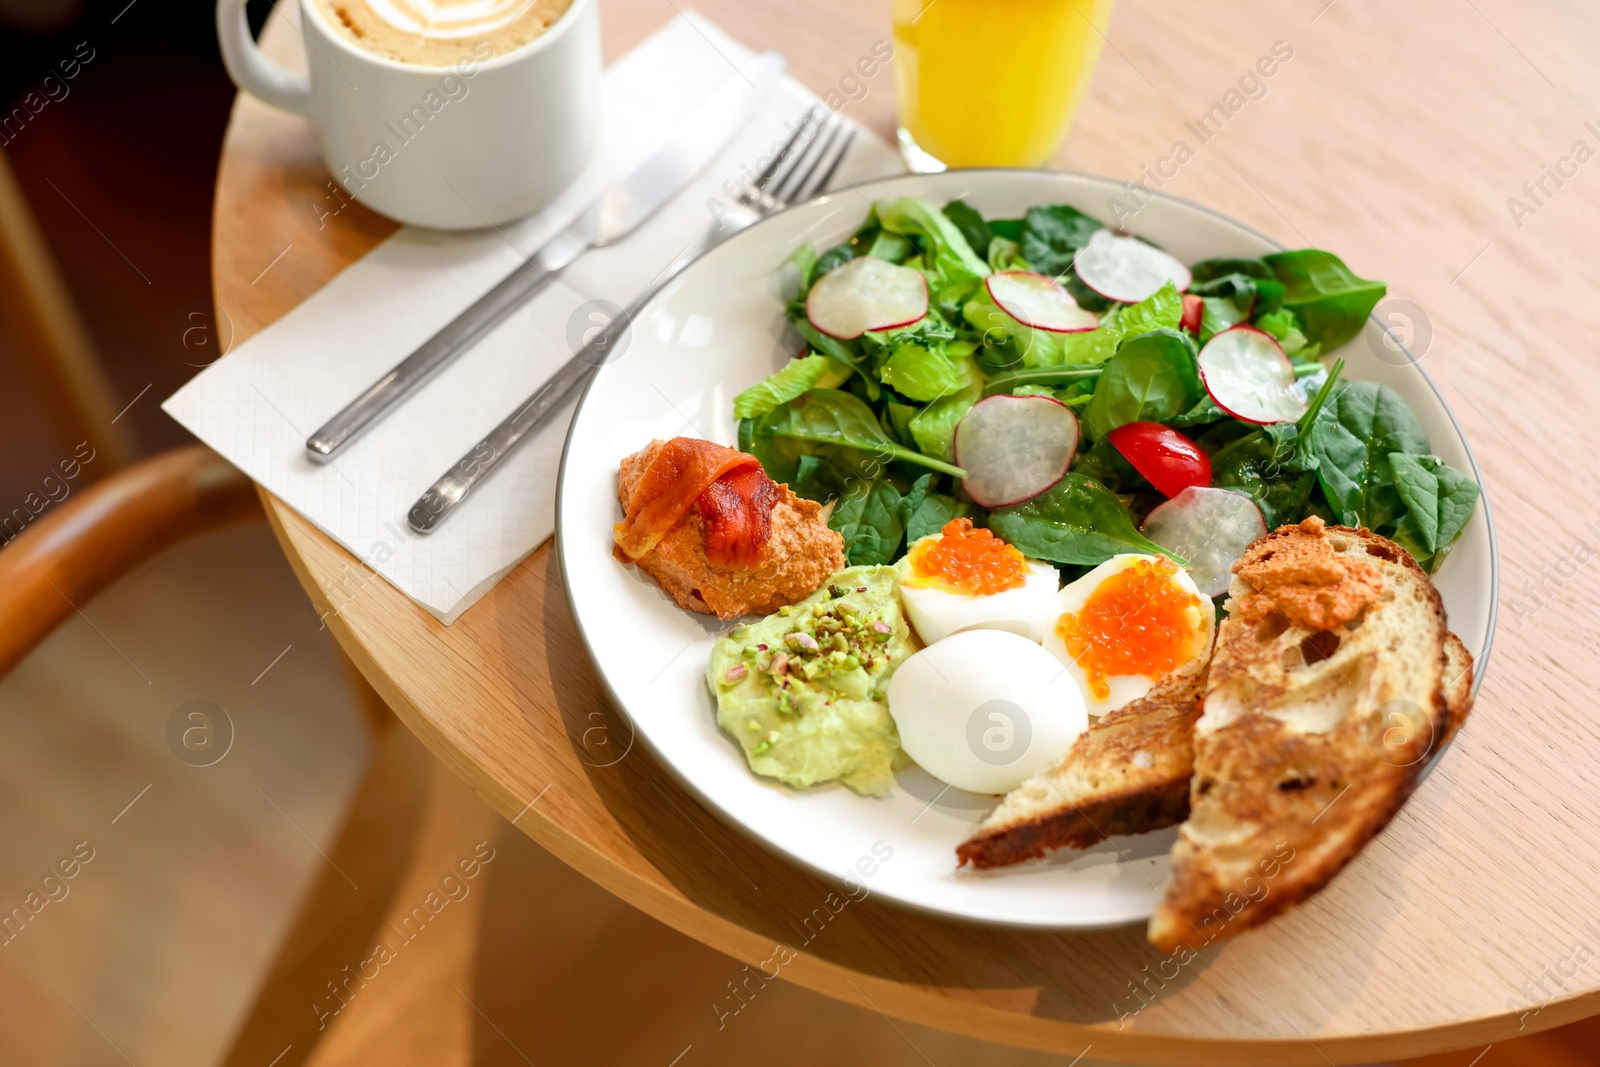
(616, 212)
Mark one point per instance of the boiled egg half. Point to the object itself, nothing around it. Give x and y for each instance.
(964, 579)
(1127, 624)
(984, 709)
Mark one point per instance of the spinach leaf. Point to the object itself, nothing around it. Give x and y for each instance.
(1052, 235)
(1248, 296)
(1361, 425)
(1102, 462)
(1277, 465)
(1151, 378)
(1438, 498)
(971, 225)
(1010, 229)
(1273, 473)
(925, 512)
(934, 427)
(831, 417)
(1205, 410)
(867, 516)
(1211, 269)
(794, 378)
(837, 256)
(1332, 302)
(1047, 376)
(1077, 521)
(838, 350)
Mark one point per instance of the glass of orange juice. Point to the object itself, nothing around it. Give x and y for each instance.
(992, 83)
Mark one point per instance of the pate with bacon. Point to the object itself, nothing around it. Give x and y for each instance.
(719, 535)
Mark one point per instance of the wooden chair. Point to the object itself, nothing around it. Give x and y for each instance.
(45, 333)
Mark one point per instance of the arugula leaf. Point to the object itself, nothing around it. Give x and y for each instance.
(792, 379)
(971, 225)
(1361, 425)
(867, 516)
(1052, 235)
(1151, 378)
(1077, 521)
(1438, 498)
(832, 417)
(1332, 301)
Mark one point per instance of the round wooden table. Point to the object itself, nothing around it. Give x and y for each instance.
(1395, 133)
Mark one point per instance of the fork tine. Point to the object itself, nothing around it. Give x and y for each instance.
(817, 183)
(805, 165)
(803, 134)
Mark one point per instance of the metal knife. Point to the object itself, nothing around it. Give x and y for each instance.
(615, 213)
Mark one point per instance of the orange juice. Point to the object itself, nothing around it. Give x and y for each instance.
(992, 82)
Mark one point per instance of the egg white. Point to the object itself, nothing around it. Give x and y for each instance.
(984, 709)
(1125, 688)
(936, 612)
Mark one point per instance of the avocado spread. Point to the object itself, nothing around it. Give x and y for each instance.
(802, 691)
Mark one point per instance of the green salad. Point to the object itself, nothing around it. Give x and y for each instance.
(1179, 379)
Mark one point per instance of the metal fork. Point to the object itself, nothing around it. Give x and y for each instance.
(799, 170)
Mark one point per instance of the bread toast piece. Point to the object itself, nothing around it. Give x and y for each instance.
(1127, 774)
(1326, 694)
(1458, 668)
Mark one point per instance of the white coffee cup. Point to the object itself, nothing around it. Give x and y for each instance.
(459, 147)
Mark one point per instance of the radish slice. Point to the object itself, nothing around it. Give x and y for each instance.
(1247, 374)
(1210, 528)
(1041, 302)
(1015, 447)
(1125, 269)
(866, 294)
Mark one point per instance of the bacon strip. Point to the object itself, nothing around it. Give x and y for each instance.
(736, 510)
(680, 471)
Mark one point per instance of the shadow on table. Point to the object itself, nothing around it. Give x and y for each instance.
(1092, 977)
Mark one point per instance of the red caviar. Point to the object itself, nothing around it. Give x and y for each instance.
(1137, 621)
(972, 561)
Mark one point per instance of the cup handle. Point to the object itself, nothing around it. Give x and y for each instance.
(250, 68)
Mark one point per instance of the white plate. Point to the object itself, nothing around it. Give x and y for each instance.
(718, 328)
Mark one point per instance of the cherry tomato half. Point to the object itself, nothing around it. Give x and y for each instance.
(1167, 459)
(1194, 313)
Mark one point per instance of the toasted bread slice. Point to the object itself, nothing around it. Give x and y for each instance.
(1127, 774)
(1327, 692)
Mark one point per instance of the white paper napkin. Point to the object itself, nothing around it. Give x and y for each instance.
(257, 406)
